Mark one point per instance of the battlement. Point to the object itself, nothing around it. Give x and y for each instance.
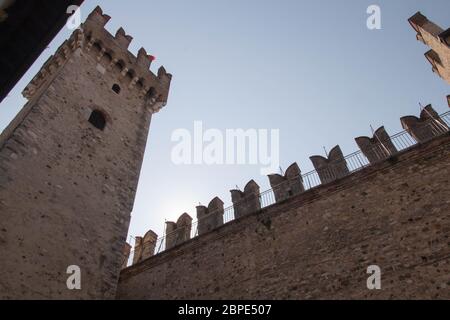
(178, 232)
(422, 25)
(332, 167)
(144, 247)
(319, 244)
(287, 185)
(328, 169)
(53, 64)
(378, 147)
(425, 127)
(211, 217)
(112, 55)
(247, 201)
(438, 40)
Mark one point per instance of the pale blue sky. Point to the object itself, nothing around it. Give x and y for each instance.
(309, 68)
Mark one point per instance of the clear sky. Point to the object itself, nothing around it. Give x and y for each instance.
(311, 69)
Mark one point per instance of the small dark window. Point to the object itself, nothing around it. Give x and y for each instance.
(97, 119)
(116, 88)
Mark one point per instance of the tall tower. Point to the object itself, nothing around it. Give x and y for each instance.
(438, 40)
(70, 164)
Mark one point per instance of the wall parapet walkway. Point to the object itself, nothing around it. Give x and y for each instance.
(372, 150)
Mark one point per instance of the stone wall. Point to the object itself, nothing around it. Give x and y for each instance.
(318, 244)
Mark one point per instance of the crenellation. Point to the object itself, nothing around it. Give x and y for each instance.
(426, 127)
(290, 184)
(54, 63)
(163, 75)
(331, 168)
(421, 24)
(148, 244)
(438, 40)
(118, 44)
(178, 232)
(211, 217)
(99, 17)
(144, 59)
(247, 201)
(48, 70)
(94, 97)
(337, 229)
(111, 53)
(123, 40)
(377, 148)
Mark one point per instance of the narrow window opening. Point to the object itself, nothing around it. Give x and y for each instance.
(97, 119)
(116, 88)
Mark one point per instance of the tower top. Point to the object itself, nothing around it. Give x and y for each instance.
(438, 40)
(419, 21)
(92, 37)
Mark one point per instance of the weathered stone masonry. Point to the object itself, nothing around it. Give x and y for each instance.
(69, 168)
(318, 244)
(70, 163)
(438, 40)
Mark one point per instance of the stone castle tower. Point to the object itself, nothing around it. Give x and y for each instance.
(438, 40)
(70, 163)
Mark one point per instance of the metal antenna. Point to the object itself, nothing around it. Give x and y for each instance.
(326, 153)
(281, 171)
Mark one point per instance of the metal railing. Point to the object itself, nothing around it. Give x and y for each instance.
(354, 162)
